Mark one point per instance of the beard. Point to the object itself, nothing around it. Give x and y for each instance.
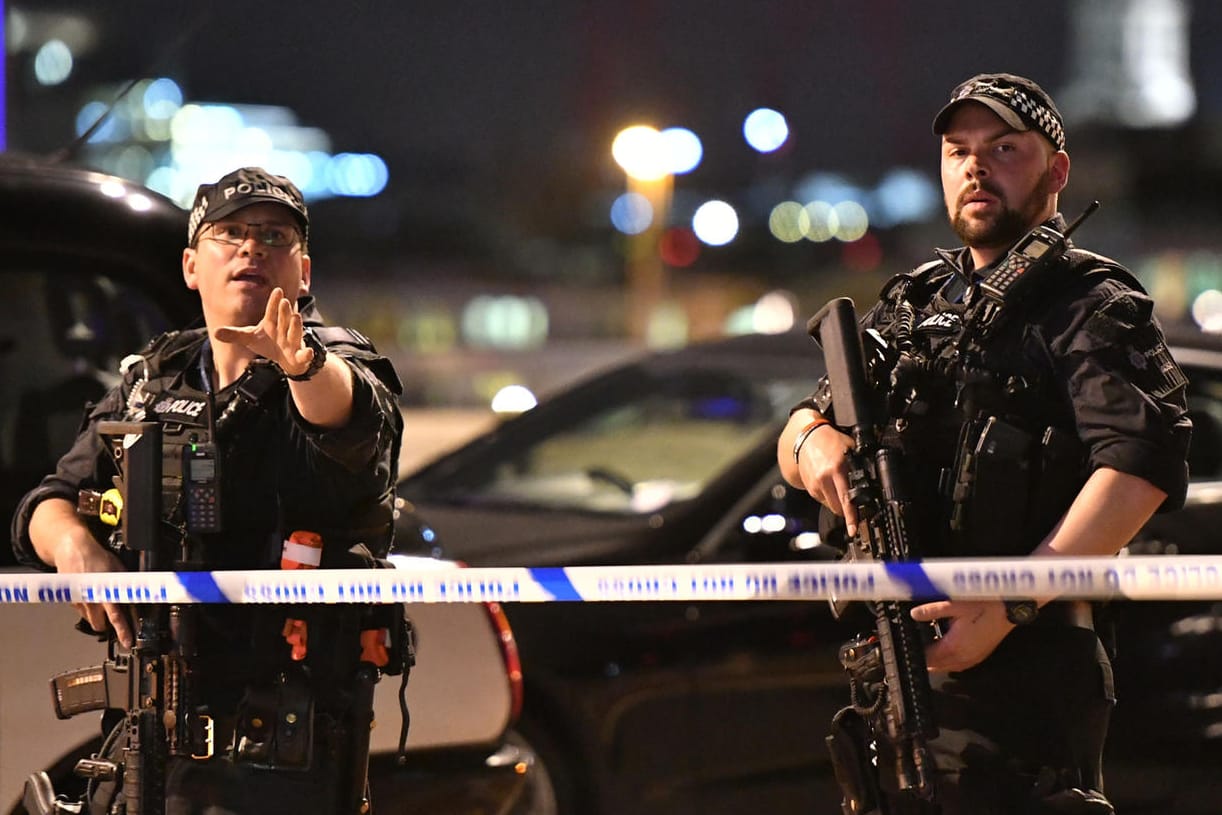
(1008, 225)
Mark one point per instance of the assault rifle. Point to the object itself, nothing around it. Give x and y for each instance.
(152, 682)
(891, 706)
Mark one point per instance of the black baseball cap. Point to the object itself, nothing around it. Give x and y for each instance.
(241, 188)
(1018, 101)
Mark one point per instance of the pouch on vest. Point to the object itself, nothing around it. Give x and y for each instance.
(991, 491)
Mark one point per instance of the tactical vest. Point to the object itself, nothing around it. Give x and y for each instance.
(988, 440)
(157, 389)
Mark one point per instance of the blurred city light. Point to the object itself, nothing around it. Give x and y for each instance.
(507, 322)
(773, 313)
(631, 213)
(171, 147)
(789, 222)
(162, 99)
(862, 255)
(851, 221)
(715, 223)
(678, 247)
(830, 187)
(822, 221)
(513, 399)
(357, 174)
(1131, 63)
(903, 196)
(53, 63)
(641, 151)
(683, 149)
(1207, 310)
(667, 326)
(765, 129)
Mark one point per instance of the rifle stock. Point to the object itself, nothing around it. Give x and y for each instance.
(887, 670)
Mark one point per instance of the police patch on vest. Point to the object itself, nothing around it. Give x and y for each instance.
(944, 322)
(178, 409)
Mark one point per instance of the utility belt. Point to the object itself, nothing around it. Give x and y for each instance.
(278, 726)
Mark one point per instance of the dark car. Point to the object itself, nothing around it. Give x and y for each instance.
(721, 707)
(90, 269)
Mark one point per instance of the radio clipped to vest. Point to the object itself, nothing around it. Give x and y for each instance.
(1019, 272)
(201, 487)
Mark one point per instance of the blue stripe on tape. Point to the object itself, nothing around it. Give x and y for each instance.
(202, 586)
(556, 582)
(914, 577)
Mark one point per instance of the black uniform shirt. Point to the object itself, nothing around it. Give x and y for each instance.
(1085, 357)
(278, 474)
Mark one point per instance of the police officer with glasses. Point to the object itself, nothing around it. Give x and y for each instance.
(305, 427)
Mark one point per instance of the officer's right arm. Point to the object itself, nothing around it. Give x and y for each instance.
(816, 460)
(62, 540)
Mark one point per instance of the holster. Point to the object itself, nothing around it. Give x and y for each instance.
(849, 747)
(276, 725)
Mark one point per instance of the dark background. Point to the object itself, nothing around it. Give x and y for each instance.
(496, 120)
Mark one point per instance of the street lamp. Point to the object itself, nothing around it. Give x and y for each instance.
(642, 153)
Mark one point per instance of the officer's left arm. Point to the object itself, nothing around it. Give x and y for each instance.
(1107, 513)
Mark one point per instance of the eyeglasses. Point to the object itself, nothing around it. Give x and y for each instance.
(236, 233)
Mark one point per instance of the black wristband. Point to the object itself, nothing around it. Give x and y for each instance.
(320, 357)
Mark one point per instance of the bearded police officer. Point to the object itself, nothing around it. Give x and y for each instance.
(1075, 413)
(305, 424)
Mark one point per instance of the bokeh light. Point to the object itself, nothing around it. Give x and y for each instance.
(765, 129)
(789, 222)
(715, 223)
(1207, 310)
(851, 221)
(631, 213)
(53, 63)
(513, 399)
(683, 149)
(641, 152)
(505, 322)
(678, 247)
(774, 313)
(822, 221)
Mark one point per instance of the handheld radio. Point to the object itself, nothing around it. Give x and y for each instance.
(201, 486)
(1021, 268)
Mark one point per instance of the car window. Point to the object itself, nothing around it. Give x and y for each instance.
(62, 335)
(649, 441)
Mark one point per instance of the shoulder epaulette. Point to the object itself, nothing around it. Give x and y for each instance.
(339, 335)
(1092, 263)
(900, 283)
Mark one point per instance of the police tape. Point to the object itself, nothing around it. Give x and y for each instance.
(418, 580)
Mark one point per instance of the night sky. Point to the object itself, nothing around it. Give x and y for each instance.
(512, 106)
(487, 84)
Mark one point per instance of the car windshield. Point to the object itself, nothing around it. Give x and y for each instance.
(629, 442)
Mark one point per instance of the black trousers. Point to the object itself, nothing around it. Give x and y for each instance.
(1027, 723)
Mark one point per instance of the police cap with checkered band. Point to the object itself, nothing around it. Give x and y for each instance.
(1017, 101)
(241, 188)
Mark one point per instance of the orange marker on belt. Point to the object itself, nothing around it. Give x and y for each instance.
(302, 550)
